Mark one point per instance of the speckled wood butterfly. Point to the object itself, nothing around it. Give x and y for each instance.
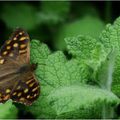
(17, 80)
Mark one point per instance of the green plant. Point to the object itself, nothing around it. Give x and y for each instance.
(84, 86)
(79, 87)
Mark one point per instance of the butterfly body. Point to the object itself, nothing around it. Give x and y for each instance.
(27, 67)
(17, 79)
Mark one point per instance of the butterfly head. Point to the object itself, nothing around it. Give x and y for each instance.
(27, 67)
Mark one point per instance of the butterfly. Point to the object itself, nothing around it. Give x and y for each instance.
(17, 79)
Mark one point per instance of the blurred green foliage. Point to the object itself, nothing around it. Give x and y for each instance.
(77, 55)
(87, 25)
(8, 110)
(53, 12)
(23, 15)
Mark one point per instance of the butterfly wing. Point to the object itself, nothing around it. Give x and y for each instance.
(27, 91)
(13, 54)
(6, 86)
(16, 47)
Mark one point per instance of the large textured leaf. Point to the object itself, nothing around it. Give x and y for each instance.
(110, 38)
(62, 80)
(116, 74)
(75, 101)
(86, 49)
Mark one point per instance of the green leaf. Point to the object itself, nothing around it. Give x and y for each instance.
(64, 79)
(56, 74)
(84, 47)
(8, 111)
(81, 46)
(26, 16)
(59, 8)
(39, 53)
(110, 38)
(51, 74)
(53, 12)
(116, 77)
(85, 26)
(105, 71)
(80, 101)
(60, 72)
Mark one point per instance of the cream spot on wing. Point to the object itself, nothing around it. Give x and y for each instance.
(11, 54)
(23, 38)
(8, 90)
(29, 81)
(14, 38)
(22, 51)
(19, 94)
(15, 45)
(22, 46)
(22, 99)
(20, 33)
(28, 96)
(26, 90)
(35, 95)
(5, 53)
(14, 93)
(2, 61)
(8, 47)
(33, 90)
(32, 84)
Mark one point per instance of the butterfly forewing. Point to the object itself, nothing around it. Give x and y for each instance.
(16, 45)
(14, 55)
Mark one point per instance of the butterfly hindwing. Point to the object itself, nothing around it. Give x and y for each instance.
(26, 91)
(6, 86)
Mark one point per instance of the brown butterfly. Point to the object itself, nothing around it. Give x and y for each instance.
(17, 80)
